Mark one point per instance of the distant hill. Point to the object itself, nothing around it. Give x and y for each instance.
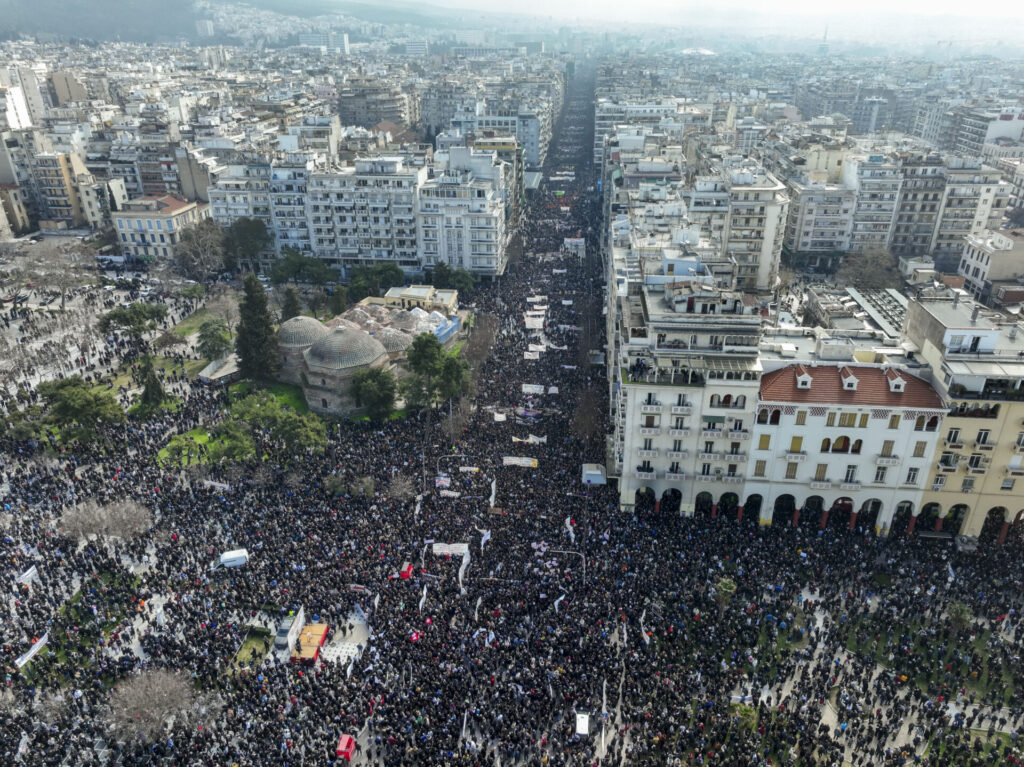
(129, 20)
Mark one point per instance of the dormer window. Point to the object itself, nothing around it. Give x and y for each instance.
(849, 379)
(897, 383)
(803, 378)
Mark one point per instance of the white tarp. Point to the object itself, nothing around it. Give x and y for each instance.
(582, 724)
(450, 549)
(511, 460)
(533, 388)
(450, 494)
(39, 645)
(531, 355)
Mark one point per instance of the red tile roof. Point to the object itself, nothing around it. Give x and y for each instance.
(827, 388)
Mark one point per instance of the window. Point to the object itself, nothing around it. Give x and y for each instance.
(851, 473)
(841, 445)
(705, 469)
(911, 476)
(759, 468)
(831, 419)
(826, 445)
(677, 446)
(856, 447)
(887, 447)
(880, 474)
(1007, 484)
(968, 485)
(974, 461)
(764, 442)
(801, 417)
(919, 448)
(791, 470)
(863, 421)
(953, 437)
(983, 435)
(848, 420)
(919, 423)
(820, 472)
(796, 444)
(955, 342)
(894, 422)
(938, 483)
(648, 444)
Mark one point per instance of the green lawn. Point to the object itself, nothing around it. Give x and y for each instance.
(252, 647)
(199, 436)
(191, 324)
(170, 365)
(289, 395)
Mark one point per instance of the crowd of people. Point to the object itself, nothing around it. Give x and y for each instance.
(686, 640)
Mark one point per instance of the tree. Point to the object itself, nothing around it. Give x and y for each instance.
(453, 376)
(142, 704)
(374, 280)
(152, 396)
(724, 590)
(445, 277)
(118, 519)
(135, 319)
(214, 340)
(256, 343)
(245, 240)
(225, 305)
(77, 409)
(401, 488)
(339, 300)
(233, 441)
(61, 267)
(193, 293)
(293, 266)
(296, 432)
(960, 616)
(874, 268)
(167, 340)
(374, 389)
(291, 306)
(199, 253)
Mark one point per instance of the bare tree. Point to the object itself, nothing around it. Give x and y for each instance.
(456, 422)
(118, 519)
(225, 306)
(294, 481)
(199, 253)
(141, 705)
(60, 266)
(168, 340)
(401, 488)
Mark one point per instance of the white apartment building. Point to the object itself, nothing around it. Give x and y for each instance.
(973, 200)
(150, 227)
(842, 444)
(366, 214)
(532, 128)
(243, 191)
(819, 224)
(287, 192)
(876, 180)
(461, 212)
(991, 257)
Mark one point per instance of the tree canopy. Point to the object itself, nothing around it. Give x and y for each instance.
(291, 306)
(214, 339)
(443, 276)
(256, 342)
(374, 389)
(199, 253)
(874, 268)
(374, 280)
(78, 409)
(293, 266)
(244, 240)
(434, 372)
(135, 319)
(295, 432)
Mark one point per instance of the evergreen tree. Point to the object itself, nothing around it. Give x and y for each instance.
(152, 390)
(291, 306)
(256, 342)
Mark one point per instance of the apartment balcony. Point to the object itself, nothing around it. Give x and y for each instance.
(1014, 471)
(679, 432)
(681, 410)
(646, 474)
(707, 477)
(732, 478)
(711, 433)
(675, 476)
(945, 468)
(739, 434)
(849, 486)
(650, 431)
(655, 408)
(647, 453)
(676, 455)
(709, 456)
(798, 457)
(820, 484)
(986, 446)
(887, 460)
(731, 456)
(953, 444)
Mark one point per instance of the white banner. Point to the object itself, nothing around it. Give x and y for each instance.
(451, 549)
(511, 460)
(494, 491)
(500, 417)
(442, 481)
(423, 599)
(538, 312)
(532, 439)
(483, 539)
(39, 645)
(568, 526)
(536, 347)
(32, 574)
(559, 348)
(567, 303)
(534, 323)
(559, 271)
(469, 469)
(531, 355)
(450, 494)
(536, 299)
(533, 388)
(552, 390)
(569, 367)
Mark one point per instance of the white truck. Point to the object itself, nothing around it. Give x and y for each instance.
(235, 558)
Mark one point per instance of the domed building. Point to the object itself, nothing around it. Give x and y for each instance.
(395, 342)
(293, 338)
(323, 361)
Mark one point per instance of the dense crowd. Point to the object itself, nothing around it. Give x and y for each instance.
(568, 605)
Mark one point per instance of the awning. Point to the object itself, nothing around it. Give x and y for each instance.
(713, 418)
(714, 363)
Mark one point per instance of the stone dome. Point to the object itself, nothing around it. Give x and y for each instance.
(395, 341)
(343, 348)
(300, 331)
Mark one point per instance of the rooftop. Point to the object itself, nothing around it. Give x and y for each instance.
(827, 387)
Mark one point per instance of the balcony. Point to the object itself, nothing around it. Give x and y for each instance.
(986, 446)
(887, 460)
(675, 476)
(681, 410)
(709, 456)
(650, 408)
(646, 474)
(739, 434)
(820, 484)
(711, 433)
(731, 456)
(956, 444)
(647, 453)
(650, 431)
(707, 477)
(733, 478)
(799, 457)
(849, 485)
(676, 455)
(679, 432)
(945, 468)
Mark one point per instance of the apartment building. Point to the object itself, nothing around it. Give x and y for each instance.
(365, 214)
(992, 258)
(978, 363)
(243, 191)
(55, 178)
(973, 200)
(920, 197)
(150, 227)
(461, 218)
(758, 207)
(841, 444)
(287, 193)
(876, 179)
(819, 224)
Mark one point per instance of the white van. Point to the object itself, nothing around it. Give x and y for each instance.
(235, 558)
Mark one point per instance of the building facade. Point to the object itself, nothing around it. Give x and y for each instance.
(149, 227)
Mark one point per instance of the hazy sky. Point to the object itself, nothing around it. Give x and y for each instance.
(677, 11)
